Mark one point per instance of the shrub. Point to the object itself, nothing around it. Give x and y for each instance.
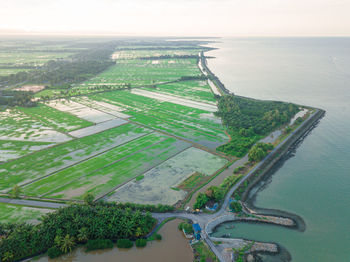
(236, 206)
(98, 244)
(158, 237)
(124, 243)
(141, 242)
(54, 252)
(89, 199)
(201, 200)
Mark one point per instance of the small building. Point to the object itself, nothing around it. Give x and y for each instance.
(197, 231)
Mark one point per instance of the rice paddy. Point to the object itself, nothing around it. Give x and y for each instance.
(135, 144)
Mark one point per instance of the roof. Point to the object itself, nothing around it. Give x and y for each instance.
(196, 227)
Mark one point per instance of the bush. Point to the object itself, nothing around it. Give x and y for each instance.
(158, 237)
(124, 243)
(186, 227)
(141, 242)
(54, 252)
(201, 200)
(236, 206)
(98, 244)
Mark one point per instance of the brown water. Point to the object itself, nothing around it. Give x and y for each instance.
(174, 247)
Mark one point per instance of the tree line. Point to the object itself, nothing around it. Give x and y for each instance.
(248, 120)
(63, 229)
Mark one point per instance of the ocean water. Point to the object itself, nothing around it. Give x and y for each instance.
(315, 182)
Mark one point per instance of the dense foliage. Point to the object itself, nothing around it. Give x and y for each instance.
(259, 151)
(95, 244)
(187, 227)
(16, 98)
(248, 120)
(124, 243)
(236, 206)
(71, 225)
(215, 193)
(141, 242)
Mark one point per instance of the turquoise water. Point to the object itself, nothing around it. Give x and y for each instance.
(315, 182)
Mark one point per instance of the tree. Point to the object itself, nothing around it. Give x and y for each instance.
(89, 199)
(16, 191)
(67, 243)
(83, 234)
(236, 206)
(201, 200)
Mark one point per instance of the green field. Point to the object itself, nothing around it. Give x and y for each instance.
(20, 214)
(144, 72)
(132, 54)
(106, 171)
(58, 120)
(194, 90)
(45, 162)
(15, 149)
(190, 123)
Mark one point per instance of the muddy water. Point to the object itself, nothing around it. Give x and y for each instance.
(173, 248)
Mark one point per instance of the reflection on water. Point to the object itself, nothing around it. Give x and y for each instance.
(173, 248)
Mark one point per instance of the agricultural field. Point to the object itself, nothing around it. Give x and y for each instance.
(53, 159)
(158, 183)
(138, 72)
(15, 149)
(20, 214)
(143, 130)
(190, 123)
(16, 125)
(193, 90)
(107, 171)
(58, 120)
(133, 54)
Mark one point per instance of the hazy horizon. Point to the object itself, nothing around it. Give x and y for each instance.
(223, 18)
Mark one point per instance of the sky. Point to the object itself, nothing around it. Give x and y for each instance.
(178, 17)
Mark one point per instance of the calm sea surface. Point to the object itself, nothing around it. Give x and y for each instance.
(315, 182)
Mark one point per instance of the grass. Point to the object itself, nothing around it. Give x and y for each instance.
(202, 251)
(192, 182)
(15, 149)
(20, 214)
(42, 163)
(58, 120)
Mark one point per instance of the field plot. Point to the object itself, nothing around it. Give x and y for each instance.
(144, 72)
(15, 125)
(80, 110)
(61, 121)
(20, 214)
(193, 90)
(102, 106)
(87, 131)
(133, 54)
(15, 149)
(104, 172)
(42, 163)
(193, 124)
(176, 100)
(156, 185)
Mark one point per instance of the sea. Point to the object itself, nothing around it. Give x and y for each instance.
(314, 180)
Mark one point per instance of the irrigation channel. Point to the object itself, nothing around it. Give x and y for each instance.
(209, 222)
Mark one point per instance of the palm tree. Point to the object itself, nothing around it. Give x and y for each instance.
(83, 234)
(67, 243)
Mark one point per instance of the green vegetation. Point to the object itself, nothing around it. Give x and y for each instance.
(216, 193)
(248, 120)
(95, 244)
(141, 242)
(63, 229)
(56, 119)
(10, 213)
(193, 181)
(44, 162)
(124, 243)
(16, 98)
(203, 253)
(187, 227)
(259, 151)
(140, 177)
(63, 73)
(236, 206)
